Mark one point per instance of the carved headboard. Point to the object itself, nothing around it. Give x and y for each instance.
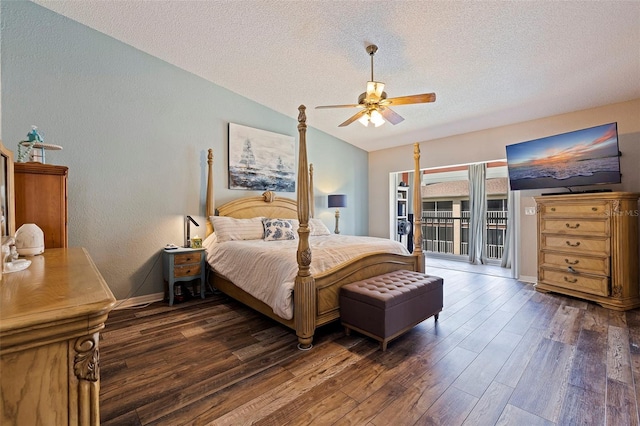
(267, 205)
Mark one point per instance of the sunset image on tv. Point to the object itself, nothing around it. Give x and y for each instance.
(584, 157)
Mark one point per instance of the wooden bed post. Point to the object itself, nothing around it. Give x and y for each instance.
(417, 209)
(210, 206)
(312, 201)
(304, 292)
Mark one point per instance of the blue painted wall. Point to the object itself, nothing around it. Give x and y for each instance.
(135, 131)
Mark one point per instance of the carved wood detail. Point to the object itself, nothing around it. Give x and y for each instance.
(269, 196)
(86, 361)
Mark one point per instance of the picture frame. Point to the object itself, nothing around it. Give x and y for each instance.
(261, 160)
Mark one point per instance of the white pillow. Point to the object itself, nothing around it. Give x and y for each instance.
(230, 229)
(210, 240)
(318, 228)
(278, 229)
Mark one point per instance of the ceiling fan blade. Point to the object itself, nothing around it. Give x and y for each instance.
(391, 116)
(338, 106)
(412, 99)
(353, 118)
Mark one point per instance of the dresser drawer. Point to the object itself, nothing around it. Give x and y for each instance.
(576, 244)
(596, 208)
(187, 270)
(592, 284)
(181, 259)
(581, 264)
(577, 226)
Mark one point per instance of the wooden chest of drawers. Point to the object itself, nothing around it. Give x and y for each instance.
(588, 247)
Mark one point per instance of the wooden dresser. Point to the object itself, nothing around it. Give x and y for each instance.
(50, 318)
(588, 247)
(41, 198)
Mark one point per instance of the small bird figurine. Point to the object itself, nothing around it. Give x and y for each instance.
(34, 136)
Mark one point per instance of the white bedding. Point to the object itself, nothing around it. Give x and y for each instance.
(267, 269)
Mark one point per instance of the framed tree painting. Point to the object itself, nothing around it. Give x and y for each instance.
(261, 160)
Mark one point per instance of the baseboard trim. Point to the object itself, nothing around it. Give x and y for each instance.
(139, 300)
(527, 279)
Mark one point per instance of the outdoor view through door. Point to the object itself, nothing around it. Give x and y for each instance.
(447, 213)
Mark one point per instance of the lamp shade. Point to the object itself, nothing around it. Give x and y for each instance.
(338, 200)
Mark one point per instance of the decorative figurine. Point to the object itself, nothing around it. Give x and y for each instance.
(33, 137)
(34, 147)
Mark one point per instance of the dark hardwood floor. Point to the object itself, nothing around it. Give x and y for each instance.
(500, 354)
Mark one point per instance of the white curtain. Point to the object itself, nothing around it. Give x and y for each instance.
(478, 209)
(505, 262)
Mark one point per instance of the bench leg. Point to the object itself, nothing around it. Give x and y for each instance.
(347, 331)
(436, 316)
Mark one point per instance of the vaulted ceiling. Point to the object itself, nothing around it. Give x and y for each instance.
(491, 63)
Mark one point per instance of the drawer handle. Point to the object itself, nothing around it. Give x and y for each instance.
(553, 209)
(572, 280)
(573, 245)
(570, 269)
(568, 262)
(595, 209)
(576, 226)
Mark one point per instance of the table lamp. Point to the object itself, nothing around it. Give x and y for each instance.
(188, 221)
(337, 201)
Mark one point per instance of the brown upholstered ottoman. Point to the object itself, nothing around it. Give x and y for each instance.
(388, 305)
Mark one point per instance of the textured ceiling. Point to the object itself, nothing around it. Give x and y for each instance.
(490, 63)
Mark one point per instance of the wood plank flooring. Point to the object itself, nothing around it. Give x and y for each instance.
(500, 354)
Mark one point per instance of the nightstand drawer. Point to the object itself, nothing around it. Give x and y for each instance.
(187, 270)
(181, 259)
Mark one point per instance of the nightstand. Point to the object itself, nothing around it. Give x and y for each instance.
(183, 264)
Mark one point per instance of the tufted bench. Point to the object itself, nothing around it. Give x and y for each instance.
(385, 306)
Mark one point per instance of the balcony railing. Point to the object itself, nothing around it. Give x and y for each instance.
(444, 233)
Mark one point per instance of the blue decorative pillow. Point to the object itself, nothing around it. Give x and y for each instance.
(278, 229)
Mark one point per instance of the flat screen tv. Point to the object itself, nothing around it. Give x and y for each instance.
(583, 157)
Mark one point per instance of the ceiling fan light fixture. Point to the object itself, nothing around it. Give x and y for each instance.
(375, 88)
(364, 120)
(376, 118)
(372, 117)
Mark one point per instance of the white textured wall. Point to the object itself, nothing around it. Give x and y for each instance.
(489, 145)
(135, 131)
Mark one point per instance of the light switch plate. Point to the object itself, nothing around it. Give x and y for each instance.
(530, 211)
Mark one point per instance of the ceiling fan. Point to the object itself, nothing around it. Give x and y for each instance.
(375, 104)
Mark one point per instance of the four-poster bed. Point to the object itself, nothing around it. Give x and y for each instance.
(315, 295)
